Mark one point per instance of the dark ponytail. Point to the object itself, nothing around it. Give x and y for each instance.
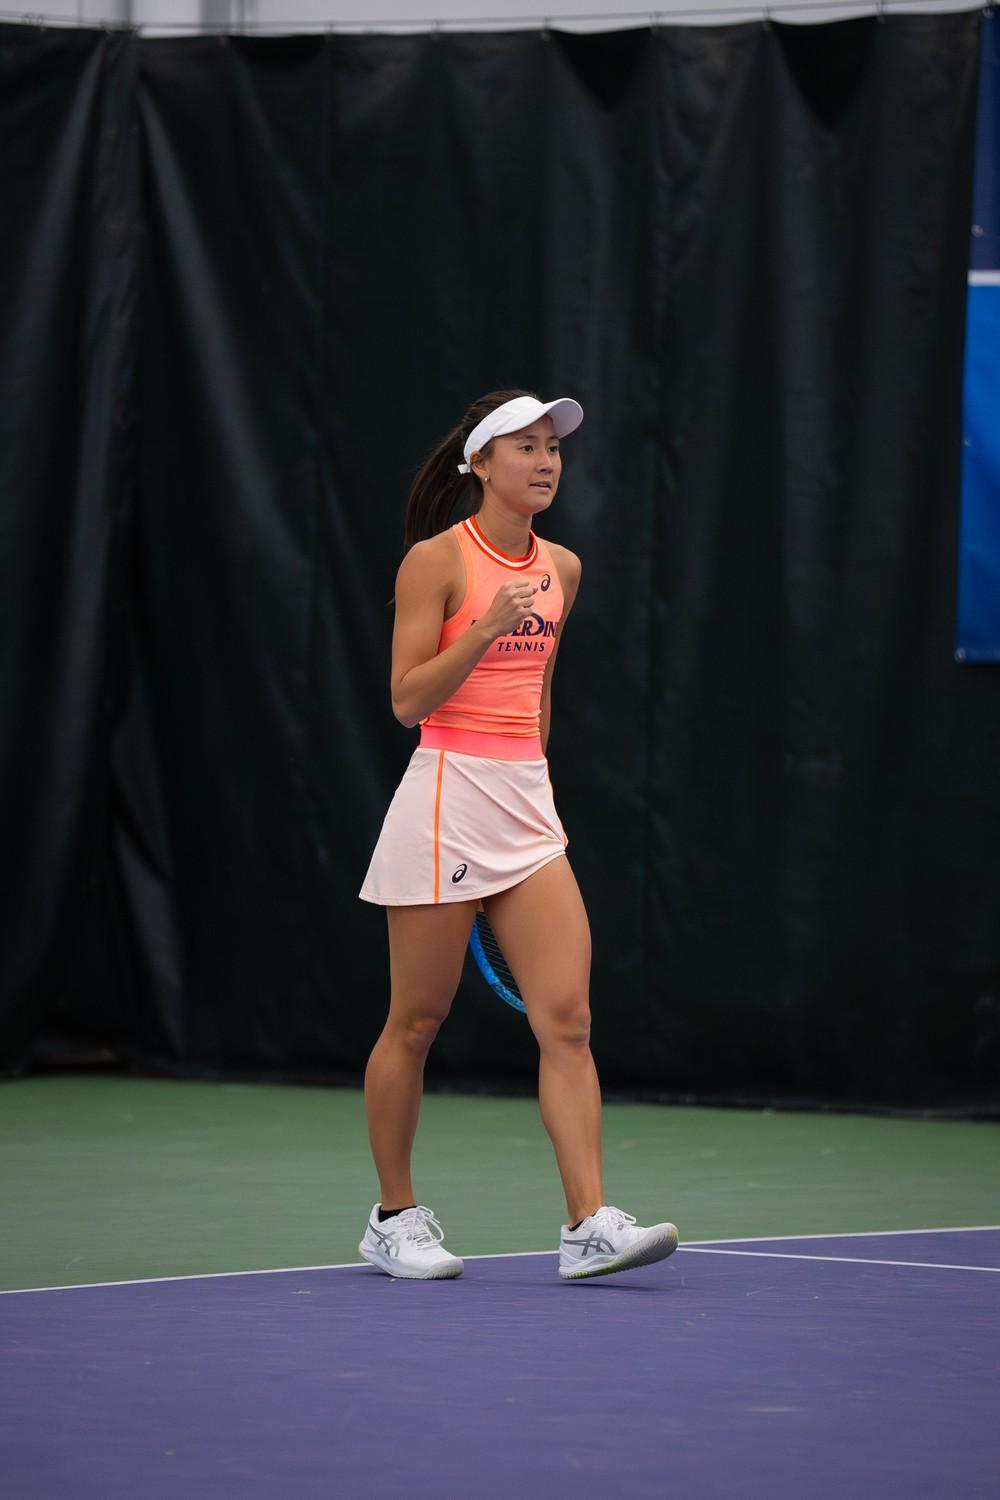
(438, 486)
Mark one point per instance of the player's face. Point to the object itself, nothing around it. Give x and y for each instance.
(525, 467)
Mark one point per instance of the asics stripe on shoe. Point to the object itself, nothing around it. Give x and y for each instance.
(609, 1240)
(409, 1245)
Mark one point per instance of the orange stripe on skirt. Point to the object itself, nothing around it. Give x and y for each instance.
(498, 825)
(437, 830)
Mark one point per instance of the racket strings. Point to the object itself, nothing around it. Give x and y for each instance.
(494, 955)
(492, 950)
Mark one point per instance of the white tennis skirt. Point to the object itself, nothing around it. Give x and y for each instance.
(463, 826)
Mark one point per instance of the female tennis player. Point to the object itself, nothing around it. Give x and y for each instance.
(480, 609)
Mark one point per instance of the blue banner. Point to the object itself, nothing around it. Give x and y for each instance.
(978, 624)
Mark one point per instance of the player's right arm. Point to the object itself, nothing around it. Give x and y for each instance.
(421, 680)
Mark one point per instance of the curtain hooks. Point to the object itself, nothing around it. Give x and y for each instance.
(545, 33)
(766, 23)
(881, 12)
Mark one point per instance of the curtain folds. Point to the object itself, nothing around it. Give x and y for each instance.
(247, 283)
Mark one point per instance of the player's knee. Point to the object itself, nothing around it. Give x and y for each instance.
(563, 1023)
(416, 1032)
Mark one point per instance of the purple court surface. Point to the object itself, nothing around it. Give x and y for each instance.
(849, 1366)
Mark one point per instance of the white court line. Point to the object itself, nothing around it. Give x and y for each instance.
(846, 1234)
(343, 1265)
(857, 1260)
(347, 1265)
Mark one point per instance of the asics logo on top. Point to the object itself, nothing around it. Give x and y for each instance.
(545, 582)
(459, 874)
(595, 1242)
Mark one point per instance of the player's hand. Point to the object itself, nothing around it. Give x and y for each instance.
(511, 603)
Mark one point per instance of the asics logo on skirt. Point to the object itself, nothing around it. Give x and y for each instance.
(458, 874)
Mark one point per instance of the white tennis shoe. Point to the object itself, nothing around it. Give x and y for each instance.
(610, 1240)
(409, 1244)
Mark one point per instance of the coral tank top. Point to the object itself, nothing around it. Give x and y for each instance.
(502, 694)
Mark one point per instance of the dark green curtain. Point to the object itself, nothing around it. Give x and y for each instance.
(247, 284)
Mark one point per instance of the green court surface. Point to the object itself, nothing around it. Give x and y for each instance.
(113, 1178)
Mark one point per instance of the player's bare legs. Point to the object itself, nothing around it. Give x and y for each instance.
(542, 928)
(426, 949)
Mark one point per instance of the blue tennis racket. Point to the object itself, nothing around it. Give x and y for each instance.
(492, 964)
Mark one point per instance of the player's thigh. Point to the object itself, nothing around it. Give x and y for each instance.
(427, 946)
(542, 928)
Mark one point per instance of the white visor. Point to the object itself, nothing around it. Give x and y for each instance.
(566, 415)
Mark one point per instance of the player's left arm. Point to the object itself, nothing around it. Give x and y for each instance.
(570, 568)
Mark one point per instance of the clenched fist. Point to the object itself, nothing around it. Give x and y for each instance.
(511, 603)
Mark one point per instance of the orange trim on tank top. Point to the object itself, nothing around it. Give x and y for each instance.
(506, 559)
(437, 830)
